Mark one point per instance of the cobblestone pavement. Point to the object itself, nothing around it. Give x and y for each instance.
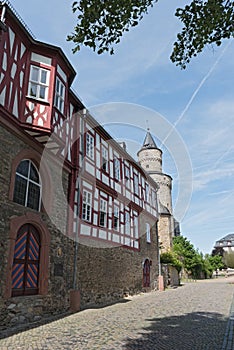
(194, 316)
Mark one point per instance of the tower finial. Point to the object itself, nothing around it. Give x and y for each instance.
(147, 125)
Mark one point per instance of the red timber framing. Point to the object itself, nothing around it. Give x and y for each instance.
(29, 91)
(36, 97)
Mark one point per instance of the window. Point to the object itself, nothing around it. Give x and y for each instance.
(147, 193)
(104, 159)
(25, 269)
(27, 190)
(154, 199)
(89, 146)
(116, 217)
(103, 213)
(127, 177)
(136, 183)
(38, 83)
(127, 223)
(86, 206)
(59, 95)
(148, 235)
(135, 223)
(117, 168)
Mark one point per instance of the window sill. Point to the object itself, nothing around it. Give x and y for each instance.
(38, 100)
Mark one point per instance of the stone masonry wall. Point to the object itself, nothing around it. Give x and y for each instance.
(107, 274)
(23, 309)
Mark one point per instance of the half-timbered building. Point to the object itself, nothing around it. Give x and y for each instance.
(78, 216)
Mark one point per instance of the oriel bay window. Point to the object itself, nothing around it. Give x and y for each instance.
(27, 190)
(86, 206)
(103, 213)
(38, 83)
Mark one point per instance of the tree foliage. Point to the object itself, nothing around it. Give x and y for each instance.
(205, 22)
(228, 258)
(171, 258)
(101, 24)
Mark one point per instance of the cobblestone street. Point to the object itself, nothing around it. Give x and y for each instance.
(193, 316)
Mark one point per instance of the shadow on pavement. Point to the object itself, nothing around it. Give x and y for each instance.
(7, 332)
(191, 331)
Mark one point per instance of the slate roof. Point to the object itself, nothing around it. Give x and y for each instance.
(149, 141)
(227, 241)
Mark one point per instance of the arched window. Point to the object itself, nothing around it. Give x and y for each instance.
(25, 270)
(27, 190)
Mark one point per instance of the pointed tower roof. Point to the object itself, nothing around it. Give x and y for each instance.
(149, 141)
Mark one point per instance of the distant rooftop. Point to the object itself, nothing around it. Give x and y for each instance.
(226, 241)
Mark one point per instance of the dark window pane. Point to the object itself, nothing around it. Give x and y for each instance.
(102, 219)
(42, 92)
(23, 168)
(33, 196)
(43, 76)
(20, 190)
(33, 90)
(35, 74)
(34, 174)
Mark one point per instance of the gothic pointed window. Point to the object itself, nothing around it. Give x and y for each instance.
(25, 269)
(27, 190)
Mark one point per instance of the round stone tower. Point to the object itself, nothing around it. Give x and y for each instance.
(150, 158)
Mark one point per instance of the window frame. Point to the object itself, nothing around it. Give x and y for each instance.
(86, 213)
(117, 170)
(103, 213)
(136, 183)
(38, 83)
(104, 159)
(127, 223)
(136, 226)
(127, 176)
(148, 233)
(59, 96)
(28, 182)
(89, 148)
(116, 217)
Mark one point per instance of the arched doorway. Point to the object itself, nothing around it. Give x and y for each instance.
(146, 273)
(26, 261)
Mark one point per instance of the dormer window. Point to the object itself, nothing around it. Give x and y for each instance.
(59, 95)
(38, 83)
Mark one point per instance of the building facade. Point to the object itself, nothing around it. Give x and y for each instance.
(225, 244)
(77, 212)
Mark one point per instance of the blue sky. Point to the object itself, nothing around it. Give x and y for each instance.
(191, 112)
